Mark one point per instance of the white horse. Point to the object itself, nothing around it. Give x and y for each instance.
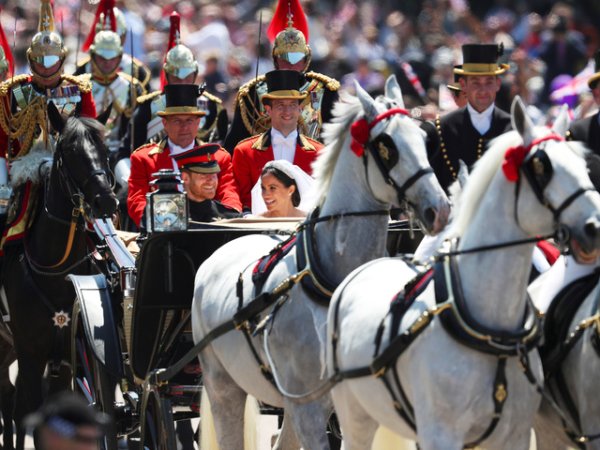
(355, 193)
(453, 394)
(571, 360)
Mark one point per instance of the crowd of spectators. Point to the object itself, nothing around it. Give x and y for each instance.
(547, 43)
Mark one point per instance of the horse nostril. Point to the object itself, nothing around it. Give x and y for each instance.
(104, 205)
(592, 228)
(429, 215)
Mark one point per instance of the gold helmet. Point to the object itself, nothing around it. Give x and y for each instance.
(288, 31)
(291, 46)
(47, 47)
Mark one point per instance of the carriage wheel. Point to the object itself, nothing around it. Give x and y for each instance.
(157, 425)
(93, 381)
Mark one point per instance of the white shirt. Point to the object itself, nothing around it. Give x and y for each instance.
(176, 150)
(481, 121)
(284, 147)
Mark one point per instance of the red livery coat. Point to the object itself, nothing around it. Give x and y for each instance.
(251, 155)
(150, 158)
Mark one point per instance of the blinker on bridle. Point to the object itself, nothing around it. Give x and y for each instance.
(383, 149)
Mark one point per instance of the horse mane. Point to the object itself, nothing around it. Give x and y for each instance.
(335, 134)
(483, 172)
(77, 128)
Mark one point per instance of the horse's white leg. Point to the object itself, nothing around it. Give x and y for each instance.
(358, 428)
(227, 402)
(310, 422)
(287, 439)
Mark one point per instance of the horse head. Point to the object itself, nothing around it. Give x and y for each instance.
(399, 172)
(549, 188)
(81, 163)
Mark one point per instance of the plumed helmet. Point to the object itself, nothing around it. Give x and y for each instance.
(107, 44)
(291, 46)
(289, 33)
(121, 23)
(47, 47)
(180, 62)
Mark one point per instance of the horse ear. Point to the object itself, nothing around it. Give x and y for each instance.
(562, 122)
(104, 115)
(521, 121)
(56, 119)
(367, 101)
(393, 91)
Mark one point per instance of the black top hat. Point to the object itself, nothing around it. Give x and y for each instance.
(67, 411)
(199, 159)
(284, 84)
(481, 59)
(182, 99)
(455, 86)
(596, 76)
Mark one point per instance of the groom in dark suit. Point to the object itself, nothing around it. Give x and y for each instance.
(465, 132)
(588, 129)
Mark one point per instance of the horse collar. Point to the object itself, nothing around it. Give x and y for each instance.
(459, 323)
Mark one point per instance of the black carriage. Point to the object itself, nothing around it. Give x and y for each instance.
(132, 327)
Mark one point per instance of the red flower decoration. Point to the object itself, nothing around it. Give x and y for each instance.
(360, 135)
(513, 158)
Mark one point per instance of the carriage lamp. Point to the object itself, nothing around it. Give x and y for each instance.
(166, 203)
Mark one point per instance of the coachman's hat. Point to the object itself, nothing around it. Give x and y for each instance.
(481, 59)
(182, 99)
(455, 85)
(593, 81)
(200, 159)
(283, 85)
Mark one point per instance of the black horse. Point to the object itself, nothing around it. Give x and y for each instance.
(77, 188)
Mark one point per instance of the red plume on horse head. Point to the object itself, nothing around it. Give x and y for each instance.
(7, 51)
(288, 13)
(106, 13)
(174, 39)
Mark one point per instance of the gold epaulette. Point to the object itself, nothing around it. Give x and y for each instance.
(133, 80)
(7, 85)
(244, 90)
(330, 83)
(249, 138)
(140, 64)
(212, 98)
(150, 96)
(308, 143)
(83, 62)
(141, 147)
(83, 82)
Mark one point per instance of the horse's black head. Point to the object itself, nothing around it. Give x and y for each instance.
(81, 159)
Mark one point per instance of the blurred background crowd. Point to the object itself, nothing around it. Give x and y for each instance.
(550, 45)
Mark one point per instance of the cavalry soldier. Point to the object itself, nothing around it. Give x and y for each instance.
(180, 67)
(24, 98)
(181, 117)
(588, 129)
(283, 140)
(199, 174)
(463, 134)
(290, 52)
(116, 90)
(129, 64)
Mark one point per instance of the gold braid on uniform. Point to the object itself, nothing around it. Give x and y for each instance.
(83, 82)
(330, 83)
(255, 121)
(451, 168)
(128, 111)
(22, 124)
(146, 97)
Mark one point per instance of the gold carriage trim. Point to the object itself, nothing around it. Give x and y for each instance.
(330, 83)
